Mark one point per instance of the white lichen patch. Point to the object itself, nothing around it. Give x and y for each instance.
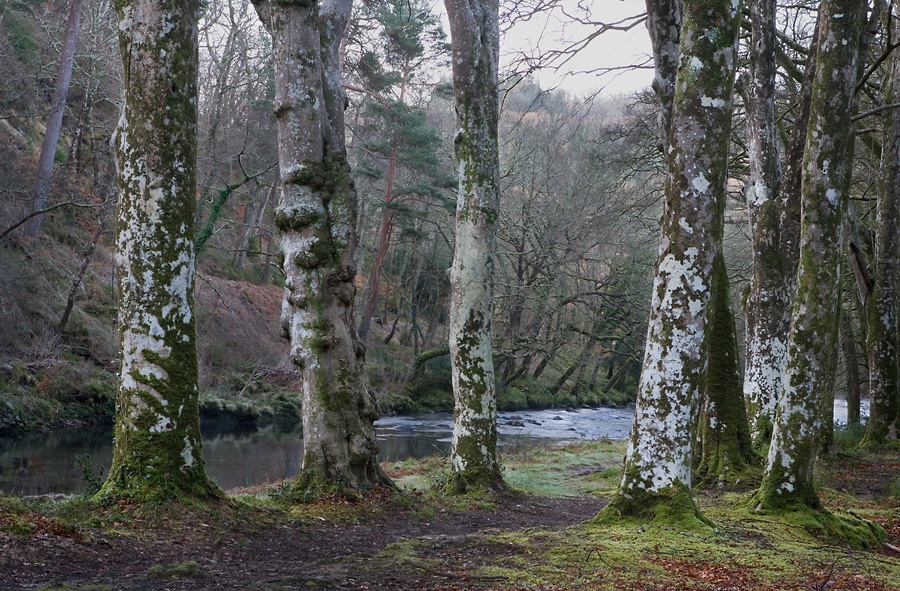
(700, 183)
(757, 194)
(187, 453)
(715, 103)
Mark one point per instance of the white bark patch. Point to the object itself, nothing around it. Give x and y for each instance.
(187, 454)
(757, 194)
(700, 183)
(712, 102)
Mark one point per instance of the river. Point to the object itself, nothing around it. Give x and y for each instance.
(44, 463)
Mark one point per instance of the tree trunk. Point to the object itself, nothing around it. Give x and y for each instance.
(316, 216)
(54, 123)
(384, 240)
(724, 432)
(156, 456)
(788, 479)
(768, 303)
(851, 360)
(474, 27)
(659, 457)
(79, 278)
(881, 303)
(253, 228)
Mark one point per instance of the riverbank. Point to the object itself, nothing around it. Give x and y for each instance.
(542, 539)
(247, 403)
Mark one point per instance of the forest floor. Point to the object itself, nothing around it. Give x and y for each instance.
(541, 539)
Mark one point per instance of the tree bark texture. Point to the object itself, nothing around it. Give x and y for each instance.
(812, 344)
(54, 122)
(659, 457)
(768, 303)
(474, 27)
(156, 455)
(316, 216)
(664, 27)
(851, 360)
(881, 304)
(724, 431)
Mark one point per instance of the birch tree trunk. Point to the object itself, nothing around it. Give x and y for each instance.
(475, 35)
(788, 479)
(54, 122)
(156, 456)
(657, 477)
(316, 216)
(881, 303)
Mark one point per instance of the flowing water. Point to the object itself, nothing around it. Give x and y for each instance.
(44, 463)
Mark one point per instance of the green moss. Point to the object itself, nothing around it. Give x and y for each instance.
(725, 450)
(672, 506)
(176, 570)
(846, 529)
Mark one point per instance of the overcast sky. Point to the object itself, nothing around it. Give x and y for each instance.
(612, 49)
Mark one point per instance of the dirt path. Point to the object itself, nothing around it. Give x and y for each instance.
(315, 553)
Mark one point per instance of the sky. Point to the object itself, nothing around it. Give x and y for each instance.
(612, 49)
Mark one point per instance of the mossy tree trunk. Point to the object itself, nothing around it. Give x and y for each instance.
(316, 216)
(658, 462)
(772, 241)
(788, 479)
(881, 299)
(156, 456)
(475, 38)
(724, 432)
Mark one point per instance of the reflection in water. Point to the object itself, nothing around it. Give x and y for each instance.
(44, 463)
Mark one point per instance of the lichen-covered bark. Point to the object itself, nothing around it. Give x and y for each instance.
(723, 432)
(157, 434)
(316, 217)
(659, 457)
(881, 305)
(475, 36)
(664, 27)
(812, 345)
(768, 303)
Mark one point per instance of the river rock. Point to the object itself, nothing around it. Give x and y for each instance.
(515, 423)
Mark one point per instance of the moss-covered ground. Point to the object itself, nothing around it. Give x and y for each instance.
(543, 539)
